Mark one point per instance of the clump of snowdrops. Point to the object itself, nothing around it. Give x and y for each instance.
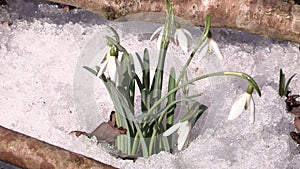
(150, 131)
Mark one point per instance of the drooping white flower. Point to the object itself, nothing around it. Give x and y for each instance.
(183, 130)
(110, 66)
(181, 38)
(244, 101)
(160, 29)
(214, 46)
(100, 56)
(210, 44)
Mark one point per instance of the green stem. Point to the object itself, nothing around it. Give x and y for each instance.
(158, 76)
(238, 74)
(135, 144)
(203, 36)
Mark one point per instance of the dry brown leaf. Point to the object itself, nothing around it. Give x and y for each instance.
(107, 131)
(297, 123)
(295, 136)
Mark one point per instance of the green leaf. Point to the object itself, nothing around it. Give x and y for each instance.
(124, 77)
(144, 89)
(286, 90)
(129, 115)
(191, 112)
(90, 70)
(116, 35)
(166, 144)
(171, 98)
(140, 60)
(244, 76)
(281, 83)
(146, 69)
(200, 111)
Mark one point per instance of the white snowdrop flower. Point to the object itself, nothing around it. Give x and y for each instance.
(183, 130)
(243, 102)
(160, 29)
(110, 65)
(96, 62)
(214, 46)
(210, 44)
(181, 38)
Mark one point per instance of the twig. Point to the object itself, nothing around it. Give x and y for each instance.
(27, 152)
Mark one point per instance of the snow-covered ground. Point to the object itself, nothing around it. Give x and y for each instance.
(43, 91)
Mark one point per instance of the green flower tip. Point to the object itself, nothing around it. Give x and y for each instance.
(109, 43)
(250, 89)
(209, 35)
(113, 52)
(177, 25)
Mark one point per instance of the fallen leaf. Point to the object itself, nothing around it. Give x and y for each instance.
(107, 131)
(297, 123)
(295, 136)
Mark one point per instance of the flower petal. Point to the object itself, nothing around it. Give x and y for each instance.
(237, 107)
(156, 32)
(183, 132)
(99, 57)
(188, 33)
(182, 40)
(176, 38)
(112, 68)
(172, 129)
(159, 40)
(216, 48)
(103, 67)
(252, 111)
(203, 49)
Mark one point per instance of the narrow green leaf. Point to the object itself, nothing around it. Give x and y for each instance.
(135, 144)
(128, 110)
(244, 76)
(116, 35)
(171, 98)
(124, 76)
(146, 69)
(286, 90)
(90, 70)
(157, 81)
(199, 112)
(191, 112)
(166, 144)
(140, 60)
(132, 90)
(281, 83)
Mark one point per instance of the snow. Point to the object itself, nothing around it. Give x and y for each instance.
(46, 94)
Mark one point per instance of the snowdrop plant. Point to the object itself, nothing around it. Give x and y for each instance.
(150, 130)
